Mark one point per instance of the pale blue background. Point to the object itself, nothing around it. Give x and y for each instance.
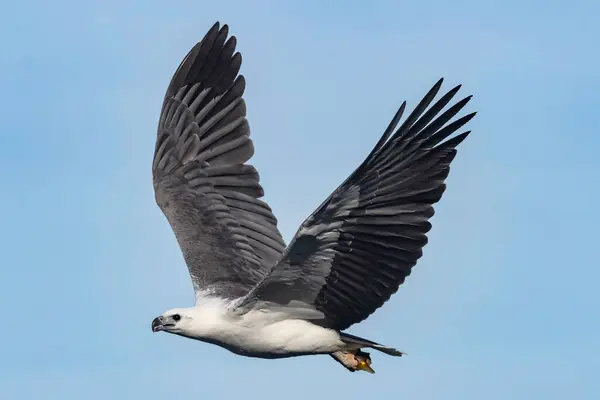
(504, 304)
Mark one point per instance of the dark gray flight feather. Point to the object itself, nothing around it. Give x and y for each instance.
(358, 247)
(229, 238)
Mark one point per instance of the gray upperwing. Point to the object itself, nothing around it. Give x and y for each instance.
(358, 247)
(229, 238)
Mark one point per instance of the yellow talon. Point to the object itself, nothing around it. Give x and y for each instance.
(364, 365)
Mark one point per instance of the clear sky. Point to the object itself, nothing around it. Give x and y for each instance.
(503, 305)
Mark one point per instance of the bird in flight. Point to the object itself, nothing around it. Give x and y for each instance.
(254, 296)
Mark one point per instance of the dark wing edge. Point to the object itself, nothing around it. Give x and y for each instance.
(229, 238)
(353, 253)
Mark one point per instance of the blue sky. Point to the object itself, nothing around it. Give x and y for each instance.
(504, 303)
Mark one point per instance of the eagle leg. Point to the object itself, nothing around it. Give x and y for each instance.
(354, 360)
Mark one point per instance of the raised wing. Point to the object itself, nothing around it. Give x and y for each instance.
(229, 238)
(357, 248)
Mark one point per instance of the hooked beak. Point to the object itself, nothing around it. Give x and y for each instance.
(159, 324)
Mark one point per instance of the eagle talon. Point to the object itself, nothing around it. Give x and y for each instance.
(365, 366)
(363, 362)
(354, 360)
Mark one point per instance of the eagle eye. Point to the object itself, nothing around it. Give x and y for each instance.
(176, 317)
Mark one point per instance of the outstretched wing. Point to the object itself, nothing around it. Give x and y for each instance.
(229, 238)
(357, 248)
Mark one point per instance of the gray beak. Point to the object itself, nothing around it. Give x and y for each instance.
(158, 324)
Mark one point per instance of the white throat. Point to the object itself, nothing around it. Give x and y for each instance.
(209, 319)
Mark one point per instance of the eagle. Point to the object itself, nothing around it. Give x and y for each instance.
(255, 296)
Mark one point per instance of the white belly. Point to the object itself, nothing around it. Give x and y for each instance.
(254, 333)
